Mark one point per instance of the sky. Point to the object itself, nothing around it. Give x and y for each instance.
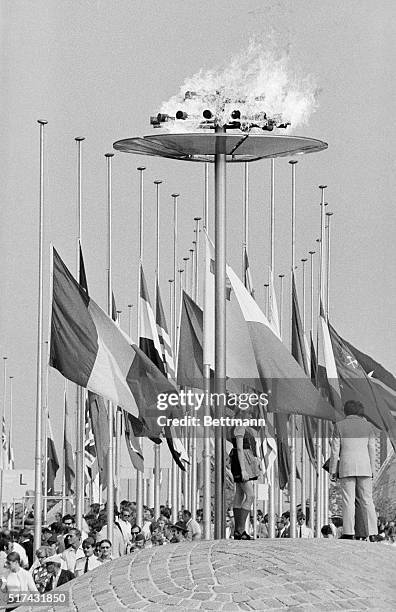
(99, 69)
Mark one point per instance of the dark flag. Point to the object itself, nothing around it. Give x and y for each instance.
(52, 460)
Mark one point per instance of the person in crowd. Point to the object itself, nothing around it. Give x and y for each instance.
(229, 527)
(26, 540)
(147, 520)
(17, 579)
(139, 543)
(57, 575)
(39, 569)
(105, 551)
(52, 545)
(119, 548)
(89, 561)
(245, 468)
(192, 526)
(45, 534)
(282, 528)
(75, 551)
(353, 444)
(327, 532)
(67, 522)
(18, 548)
(303, 531)
(179, 532)
(124, 526)
(262, 527)
(4, 550)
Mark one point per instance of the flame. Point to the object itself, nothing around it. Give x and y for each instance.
(258, 80)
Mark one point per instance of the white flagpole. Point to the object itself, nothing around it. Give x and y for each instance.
(38, 463)
(157, 449)
(266, 299)
(2, 458)
(175, 471)
(280, 492)
(312, 474)
(193, 432)
(206, 451)
(46, 432)
(303, 453)
(292, 475)
(139, 474)
(118, 424)
(271, 475)
(326, 475)
(110, 409)
(80, 429)
(10, 437)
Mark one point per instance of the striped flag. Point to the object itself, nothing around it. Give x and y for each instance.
(91, 461)
(165, 342)
(97, 414)
(133, 443)
(4, 445)
(89, 349)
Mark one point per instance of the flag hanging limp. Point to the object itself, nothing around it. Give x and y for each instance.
(90, 350)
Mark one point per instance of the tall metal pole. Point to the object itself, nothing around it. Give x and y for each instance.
(292, 476)
(206, 451)
(245, 218)
(220, 332)
(271, 475)
(328, 242)
(3, 467)
(319, 449)
(110, 473)
(312, 474)
(118, 425)
(175, 245)
(38, 499)
(186, 274)
(157, 448)
(281, 277)
(46, 432)
(193, 432)
(80, 394)
(11, 433)
(139, 474)
(303, 454)
(266, 298)
(196, 261)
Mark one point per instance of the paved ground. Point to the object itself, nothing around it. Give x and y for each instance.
(228, 575)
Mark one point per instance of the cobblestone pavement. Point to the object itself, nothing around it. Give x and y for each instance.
(227, 575)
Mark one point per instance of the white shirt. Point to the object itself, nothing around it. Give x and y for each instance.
(93, 562)
(194, 530)
(306, 532)
(125, 528)
(18, 548)
(20, 581)
(70, 556)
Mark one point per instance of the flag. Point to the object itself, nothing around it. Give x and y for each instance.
(190, 354)
(163, 336)
(89, 349)
(355, 384)
(289, 389)
(326, 372)
(371, 367)
(97, 415)
(273, 315)
(90, 458)
(69, 465)
(133, 443)
(82, 276)
(247, 274)
(4, 444)
(299, 353)
(282, 438)
(11, 458)
(149, 340)
(52, 460)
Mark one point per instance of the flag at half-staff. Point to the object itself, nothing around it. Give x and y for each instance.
(151, 345)
(164, 338)
(97, 417)
(90, 350)
(68, 456)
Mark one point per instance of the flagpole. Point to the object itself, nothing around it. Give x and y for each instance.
(173, 471)
(303, 454)
(191, 284)
(64, 453)
(110, 473)
(38, 499)
(10, 435)
(139, 474)
(325, 424)
(266, 299)
(193, 433)
(46, 412)
(118, 424)
(245, 218)
(157, 449)
(3, 431)
(206, 451)
(280, 492)
(319, 449)
(175, 474)
(292, 476)
(312, 475)
(328, 242)
(220, 330)
(80, 429)
(130, 320)
(271, 475)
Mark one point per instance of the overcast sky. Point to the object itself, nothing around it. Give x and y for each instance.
(99, 69)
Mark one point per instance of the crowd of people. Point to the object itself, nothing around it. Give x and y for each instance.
(67, 552)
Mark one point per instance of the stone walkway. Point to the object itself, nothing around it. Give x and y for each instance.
(228, 575)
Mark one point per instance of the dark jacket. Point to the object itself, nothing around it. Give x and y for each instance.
(65, 576)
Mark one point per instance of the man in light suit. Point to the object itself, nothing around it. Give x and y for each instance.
(353, 444)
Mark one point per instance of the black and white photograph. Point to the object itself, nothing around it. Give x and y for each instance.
(198, 298)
